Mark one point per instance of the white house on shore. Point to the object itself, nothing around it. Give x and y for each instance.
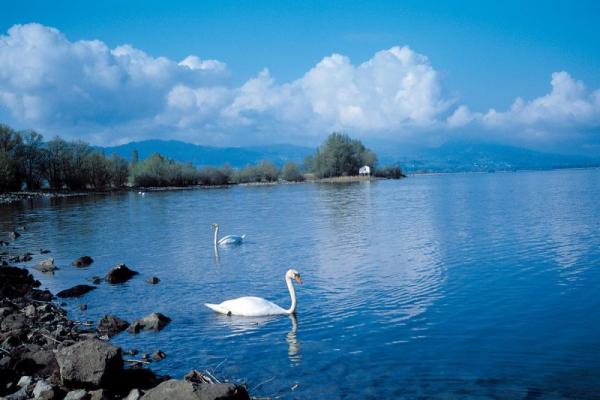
(364, 171)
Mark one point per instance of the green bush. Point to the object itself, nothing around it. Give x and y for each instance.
(291, 172)
(390, 172)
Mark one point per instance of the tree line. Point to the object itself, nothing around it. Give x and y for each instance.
(27, 162)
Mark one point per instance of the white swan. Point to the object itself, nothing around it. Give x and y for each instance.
(226, 240)
(257, 306)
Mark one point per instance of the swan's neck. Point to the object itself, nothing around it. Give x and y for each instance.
(290, 286)
(216, 234)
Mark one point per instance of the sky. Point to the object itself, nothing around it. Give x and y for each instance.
(258, 72)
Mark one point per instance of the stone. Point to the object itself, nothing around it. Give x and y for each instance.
(119, 274)
(83, 307)
(25, 381)
(100, 394)
(83, 261)
(21, 394)
(26, 257)
(76, 291)
(134, 395)
(13, 235)
(30, 311)
(159, 355)
(153, 322)
(111, 325)
(42, 251)
(78, 394)
(43, 388)
(46, 265)
(182, 390)
(96, 280)
(153, 280)
(13, 322)
(89, 364)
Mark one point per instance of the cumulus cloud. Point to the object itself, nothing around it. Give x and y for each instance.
(569, 109)
(84, 89)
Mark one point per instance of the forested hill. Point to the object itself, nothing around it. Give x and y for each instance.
(214, 156)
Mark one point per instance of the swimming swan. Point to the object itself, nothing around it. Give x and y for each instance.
(257, 306)
(229, 239)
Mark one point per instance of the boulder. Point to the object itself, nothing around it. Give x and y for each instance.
(75, 291)
(43, 390)
(46, 265)
(89, 364)
(83, 261)
(159, 355)
(153, 280)
(26, 257)
(21, 394)
(25, 381)
(119, 274)
(100, 394)
(153, 322)
(134, 395)
(111, 325)
(43, 251)
(83, 307)
(13, 235)
(182, 390)
(78, 394)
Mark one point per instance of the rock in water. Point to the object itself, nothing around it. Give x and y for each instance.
(46, 265)
(159, 355)
(120, 274)
(83, 261)
(89, 364)
(153, 322)
(111, 325)
(182, 390)
(153, 280)
(13, 235)
(76, 291)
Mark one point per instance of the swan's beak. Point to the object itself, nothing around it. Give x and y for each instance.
(298, 279)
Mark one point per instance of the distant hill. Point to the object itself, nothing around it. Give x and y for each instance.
(213, 156)
(460, 156)
(456, 156)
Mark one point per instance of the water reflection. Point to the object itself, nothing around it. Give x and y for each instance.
(293, 343)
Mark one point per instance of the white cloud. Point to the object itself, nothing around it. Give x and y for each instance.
(569, 110)
(87, 90)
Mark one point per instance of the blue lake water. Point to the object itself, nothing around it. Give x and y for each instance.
(448, 286)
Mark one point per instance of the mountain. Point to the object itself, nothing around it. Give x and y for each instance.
(213, 156)
(454, 156)
(461, 156)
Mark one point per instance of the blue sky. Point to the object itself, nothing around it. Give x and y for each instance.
(485, 55)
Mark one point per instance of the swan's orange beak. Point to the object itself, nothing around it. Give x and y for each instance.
(298, 279)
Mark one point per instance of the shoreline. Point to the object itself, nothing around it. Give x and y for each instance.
(44, 354)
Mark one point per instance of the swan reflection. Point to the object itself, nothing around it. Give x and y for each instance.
(293, 343)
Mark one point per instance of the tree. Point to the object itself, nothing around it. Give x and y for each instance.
(291, 172)
(32, 163)
(56, 163)
(11, 149)
(340, 155)
(118, 170)
(97, 169)
(135, 157)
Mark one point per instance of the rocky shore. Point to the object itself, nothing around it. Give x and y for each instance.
(44, 355)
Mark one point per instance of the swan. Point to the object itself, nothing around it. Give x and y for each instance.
(257, 306)
(229, 239)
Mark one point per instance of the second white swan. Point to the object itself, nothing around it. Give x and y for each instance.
(226, 240)
(257, 306)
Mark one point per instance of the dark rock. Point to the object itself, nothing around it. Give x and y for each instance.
(20, 394)
(83, 261)
(96, 280)
(119, 274)
(83, 307)
(153, 322)
(26, 257)
(140, 378)
(153, 280)
(76, 291)
(159, 355)
(16, 282)
(13, 235)
(42, 251)
(41, 295)
(182, 390)
(111, 325)
(89, 364)
(46, 265)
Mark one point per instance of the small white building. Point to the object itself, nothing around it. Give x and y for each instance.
(366, 170)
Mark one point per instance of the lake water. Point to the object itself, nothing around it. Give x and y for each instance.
(449, 286)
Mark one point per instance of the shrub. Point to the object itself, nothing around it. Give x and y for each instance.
(390, 172)
(291, 172)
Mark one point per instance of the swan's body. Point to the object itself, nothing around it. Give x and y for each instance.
(256, 306)
(226, 240)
